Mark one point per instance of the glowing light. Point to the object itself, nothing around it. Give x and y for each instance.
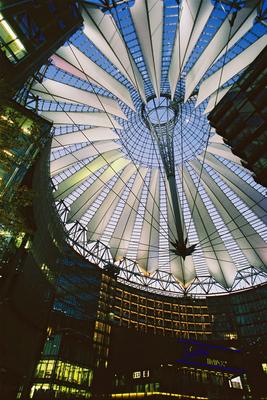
(7, 152)
(145, 394)
(10, 31)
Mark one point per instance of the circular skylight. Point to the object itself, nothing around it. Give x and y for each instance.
(141, 179)
(160, 111)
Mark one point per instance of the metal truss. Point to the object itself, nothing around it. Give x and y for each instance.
(105, 5)
(236, 6)
(160, 282)
(24, 96)
(140, 148)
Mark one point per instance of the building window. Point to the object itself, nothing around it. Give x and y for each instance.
(236, 383)
(230, 335)
(264, 367)
(9, 42)
(30, 29)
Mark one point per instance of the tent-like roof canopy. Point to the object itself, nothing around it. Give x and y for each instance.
(135, 164)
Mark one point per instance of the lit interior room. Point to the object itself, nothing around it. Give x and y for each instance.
(133, 200)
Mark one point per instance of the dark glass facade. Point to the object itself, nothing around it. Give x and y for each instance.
(241, 118)
(25, 296)
(30, 31)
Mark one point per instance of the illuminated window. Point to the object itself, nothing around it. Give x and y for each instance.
(236, 383)
(64, 372)
(264, 367)
(45, 369)
(9, 42)
(230, 335)
(60, 388)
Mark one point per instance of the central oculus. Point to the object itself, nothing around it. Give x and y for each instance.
(160, 111)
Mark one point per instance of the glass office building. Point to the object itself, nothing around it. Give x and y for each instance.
(150, 230)
(243, 110)
(30, 31)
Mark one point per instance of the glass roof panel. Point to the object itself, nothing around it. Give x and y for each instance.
(161, 221)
